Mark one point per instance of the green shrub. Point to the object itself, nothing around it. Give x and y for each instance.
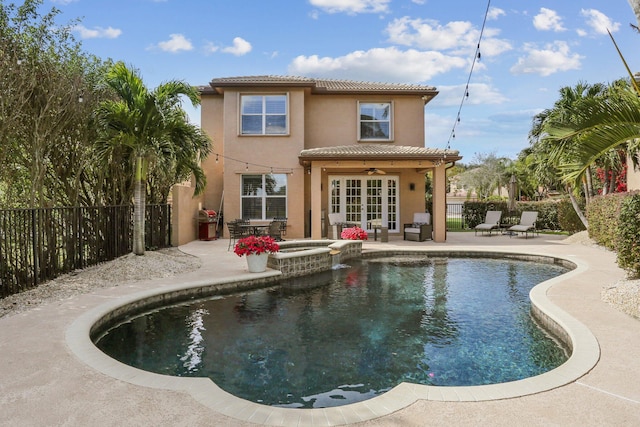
(474, 213)
(628, 235)
(603, 215)
(547, 213)
(568, 219)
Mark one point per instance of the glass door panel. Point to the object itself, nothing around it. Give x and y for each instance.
(353, 200)
(363, 199)
(375, 198)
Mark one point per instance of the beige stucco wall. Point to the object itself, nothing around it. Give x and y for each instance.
(332, 120)
(240, 155)
(633, 176)
(314, 121)
(184, 213)
(212, 119)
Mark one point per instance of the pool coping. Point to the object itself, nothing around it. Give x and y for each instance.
(585, 355)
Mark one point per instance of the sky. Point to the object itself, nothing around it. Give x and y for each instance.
(528, 51)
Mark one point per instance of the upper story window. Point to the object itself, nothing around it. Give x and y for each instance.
(263, 115)
(375, 121)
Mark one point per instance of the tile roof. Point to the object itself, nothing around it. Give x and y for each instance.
(320, 85)
(365, 151)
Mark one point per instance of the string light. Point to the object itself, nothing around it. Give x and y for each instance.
(476, 57)
(253, 165)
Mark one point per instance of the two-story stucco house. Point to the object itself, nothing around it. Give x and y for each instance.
(302, 148)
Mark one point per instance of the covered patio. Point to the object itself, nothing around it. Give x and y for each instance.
(367, 182)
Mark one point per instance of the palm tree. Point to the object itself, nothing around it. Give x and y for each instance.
(151, 128)
(563, 149)
(600, 125)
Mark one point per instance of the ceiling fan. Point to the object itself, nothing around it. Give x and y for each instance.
(371, 171)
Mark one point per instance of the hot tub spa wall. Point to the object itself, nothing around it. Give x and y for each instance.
(318, 256)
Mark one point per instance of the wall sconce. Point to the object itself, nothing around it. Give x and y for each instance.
(412, 186)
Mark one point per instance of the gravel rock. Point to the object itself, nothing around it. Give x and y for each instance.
(129, 268)
(624, 296)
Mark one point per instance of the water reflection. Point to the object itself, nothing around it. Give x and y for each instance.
(195, 325)
(349, 334)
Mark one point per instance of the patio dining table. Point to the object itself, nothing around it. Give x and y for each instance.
(255, 229)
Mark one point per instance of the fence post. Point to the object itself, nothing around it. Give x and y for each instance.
(34, 247)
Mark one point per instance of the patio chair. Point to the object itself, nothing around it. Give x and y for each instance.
(283, 225)
(236, 232)
(420, 229)
(275, 229)
(491, 222)
(527, 224)
(337, 222)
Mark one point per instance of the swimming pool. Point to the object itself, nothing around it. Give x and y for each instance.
(413, 334)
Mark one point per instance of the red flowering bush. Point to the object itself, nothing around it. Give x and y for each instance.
(254, 245)
(353, 233)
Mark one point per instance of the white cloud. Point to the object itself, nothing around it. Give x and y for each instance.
(495, 13)
(548, 20)
(599, 22)
(352, 6)
(176, 43)
(379, 64)
(240, 47)
(479, 94)
(553, 58)
(458, 36)
(211, 48)
(97, 32)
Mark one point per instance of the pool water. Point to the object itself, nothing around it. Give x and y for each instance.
(351, 334)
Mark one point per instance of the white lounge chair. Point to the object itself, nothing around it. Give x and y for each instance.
(491, 222)
(527, 224)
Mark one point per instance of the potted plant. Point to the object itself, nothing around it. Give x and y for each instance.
(353, 233)
(257, 250)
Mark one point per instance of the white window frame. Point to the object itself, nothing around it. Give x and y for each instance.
(263, 196)
(263, 114)
(389, 120)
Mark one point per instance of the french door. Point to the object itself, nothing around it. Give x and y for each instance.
(365, 199)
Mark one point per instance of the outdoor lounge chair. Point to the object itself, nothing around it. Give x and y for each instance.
(527, 224)
(420, 229)
(491, 222)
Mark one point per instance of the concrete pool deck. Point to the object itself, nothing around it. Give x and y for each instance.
(43, 383)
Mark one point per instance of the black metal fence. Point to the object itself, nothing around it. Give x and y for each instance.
(455, 219)
(37, 245)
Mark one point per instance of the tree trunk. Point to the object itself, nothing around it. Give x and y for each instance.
(589, 184)
(612, 181)
(585, 190)
(606, 184)
(576, 207)
(139, 195)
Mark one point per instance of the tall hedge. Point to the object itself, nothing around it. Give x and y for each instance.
(568, 219)
(603, 215)
(628, 235)
(474, 213)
